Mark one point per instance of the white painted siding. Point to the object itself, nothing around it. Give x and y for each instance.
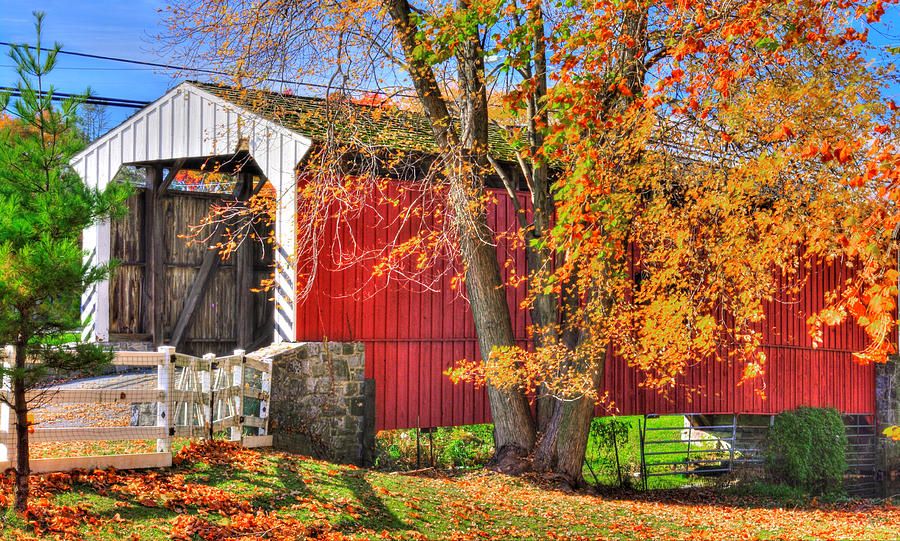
(190, 122)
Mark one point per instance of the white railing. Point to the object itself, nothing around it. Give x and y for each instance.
(193, 397)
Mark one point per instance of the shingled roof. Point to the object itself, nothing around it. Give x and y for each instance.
(353, 124)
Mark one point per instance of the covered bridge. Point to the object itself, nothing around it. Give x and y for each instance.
(165, 292)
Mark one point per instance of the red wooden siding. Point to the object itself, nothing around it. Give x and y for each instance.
(413, 333)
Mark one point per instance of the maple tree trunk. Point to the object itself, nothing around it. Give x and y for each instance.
(20, 406)
(463, 155)
(573, 431)
(514, 429)
(545, 314)
(513, 424)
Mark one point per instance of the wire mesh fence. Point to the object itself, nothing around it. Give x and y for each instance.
(129, 415)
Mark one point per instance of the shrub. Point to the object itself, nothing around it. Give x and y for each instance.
(806, 448)
(611, 451)
(454, 447)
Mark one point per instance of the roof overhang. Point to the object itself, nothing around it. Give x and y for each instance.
(188, 122)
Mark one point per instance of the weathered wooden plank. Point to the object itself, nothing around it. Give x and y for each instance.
(223, 424)
(126, 242)
(243, 324)
(137, 358)
(256, 365)
(251, 442)
(202, 282)
(198, 288)
(216, 313)
(125, 298)
(253, 421)
(154, 288)
(119, 462)
(255, 393)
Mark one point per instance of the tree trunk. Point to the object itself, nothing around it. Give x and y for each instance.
(513, 425)
(464, 157)
(574, 429)
(20, 406)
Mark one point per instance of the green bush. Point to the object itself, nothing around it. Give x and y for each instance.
(806, 448)
(611, 450)
(454, 447)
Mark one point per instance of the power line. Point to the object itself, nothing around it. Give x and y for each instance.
(199, 70)
(82, 68)
(92, 100)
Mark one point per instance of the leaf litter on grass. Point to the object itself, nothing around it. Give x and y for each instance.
(218, 490)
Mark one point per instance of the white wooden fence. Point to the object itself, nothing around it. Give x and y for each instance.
(194, 397)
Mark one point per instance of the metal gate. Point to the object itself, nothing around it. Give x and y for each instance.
(718, 449)
(860, 477)
(709, 450)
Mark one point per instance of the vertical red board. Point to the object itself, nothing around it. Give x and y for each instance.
(412, 335)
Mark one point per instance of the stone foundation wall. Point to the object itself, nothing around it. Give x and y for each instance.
(321, 403)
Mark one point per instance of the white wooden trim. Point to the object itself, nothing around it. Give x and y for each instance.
(265, 390)
(251, 442)
(206, 388)
(165, 412)
(119, 462)
(101, 320)
(270, 126)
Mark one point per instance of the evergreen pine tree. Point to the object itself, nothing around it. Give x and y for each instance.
(44, 207)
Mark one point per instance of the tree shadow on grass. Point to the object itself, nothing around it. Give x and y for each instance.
(376, 515)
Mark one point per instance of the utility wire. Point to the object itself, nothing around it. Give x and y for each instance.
(199, 70)
(93, 100)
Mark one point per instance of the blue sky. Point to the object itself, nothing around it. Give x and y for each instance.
(110, 28)
(126, 29)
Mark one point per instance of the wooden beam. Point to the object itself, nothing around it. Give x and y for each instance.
(89, 396)
(99, 433)
(101, 462)
(250, 442)
(243, 321)
(259, 186)
(173, 172)
(152, 297)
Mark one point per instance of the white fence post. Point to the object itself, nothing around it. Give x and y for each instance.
(206, 391)
(165, 414)
(266, 388)
(237, 384)
(7, 432)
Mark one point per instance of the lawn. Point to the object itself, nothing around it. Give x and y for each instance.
(218, 490)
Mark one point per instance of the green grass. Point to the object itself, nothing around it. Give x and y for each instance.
(600, 464)
(295, 492)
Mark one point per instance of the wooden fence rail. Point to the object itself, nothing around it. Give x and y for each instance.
(193, 397)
